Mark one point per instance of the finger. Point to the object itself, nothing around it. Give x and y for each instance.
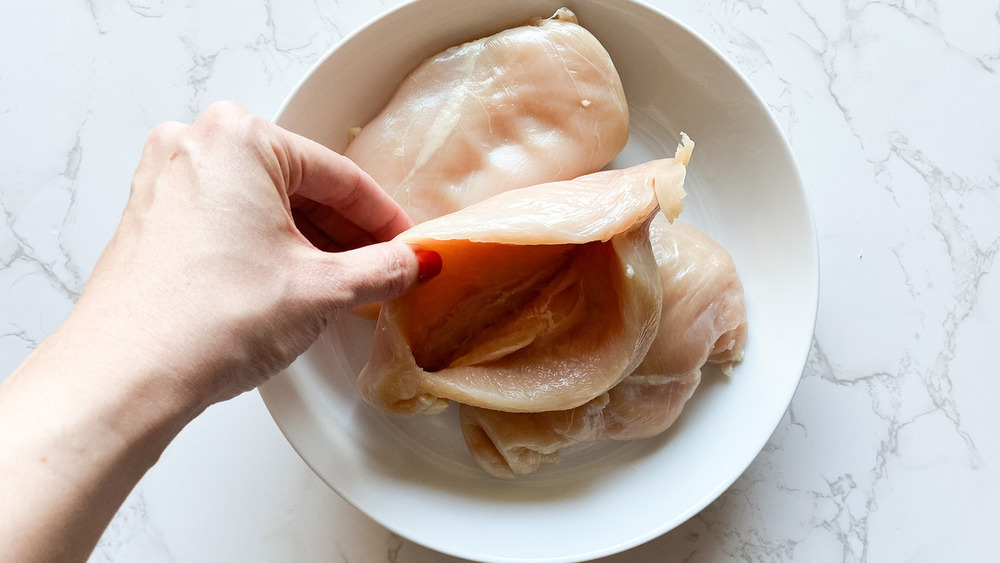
(332, 224)
(336, 182)
(377, 272)
(314, 234)
(162, 142)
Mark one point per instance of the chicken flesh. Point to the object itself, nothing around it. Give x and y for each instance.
(702, 320)
(529, 105)
(549, 295)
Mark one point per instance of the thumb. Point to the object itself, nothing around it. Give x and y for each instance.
(377, 272)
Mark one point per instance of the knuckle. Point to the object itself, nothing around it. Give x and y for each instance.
(164, 136)
(396, 272)
(254, 126)
(223, 111)
(346, 282)
(233, 121)
(227, 126)
(352, 194)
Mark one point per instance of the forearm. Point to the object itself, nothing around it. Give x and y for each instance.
(205, 291)
(80, 422)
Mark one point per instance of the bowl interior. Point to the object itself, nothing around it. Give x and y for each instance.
(413, 475)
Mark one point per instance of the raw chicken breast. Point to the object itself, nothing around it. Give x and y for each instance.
(548, 296)
(703, 319)
(529, 105)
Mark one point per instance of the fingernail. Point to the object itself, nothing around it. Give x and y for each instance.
(428, 264)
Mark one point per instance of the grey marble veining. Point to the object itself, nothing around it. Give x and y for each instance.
(890, 448)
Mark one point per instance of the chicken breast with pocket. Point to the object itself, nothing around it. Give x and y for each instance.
(702, 320)
(548, 296)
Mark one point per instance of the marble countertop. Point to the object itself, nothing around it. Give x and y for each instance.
(890, 450)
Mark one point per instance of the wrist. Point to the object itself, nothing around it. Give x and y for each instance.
(81, 423)
(122, 371)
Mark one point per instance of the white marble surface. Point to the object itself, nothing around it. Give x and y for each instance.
(891, 448)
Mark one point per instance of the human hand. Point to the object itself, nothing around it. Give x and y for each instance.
(206, 289)
(207, 281)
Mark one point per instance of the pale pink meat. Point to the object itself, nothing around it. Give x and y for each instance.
(529, 105)
(549, 296)
(703, 319)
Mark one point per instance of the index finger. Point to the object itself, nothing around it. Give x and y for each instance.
(331, 179)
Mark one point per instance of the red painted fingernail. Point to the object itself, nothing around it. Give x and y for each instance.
(428, 264)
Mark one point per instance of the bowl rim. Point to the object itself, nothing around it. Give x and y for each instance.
(813, 296)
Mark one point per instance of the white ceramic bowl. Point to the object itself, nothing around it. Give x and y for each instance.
(413, 475)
